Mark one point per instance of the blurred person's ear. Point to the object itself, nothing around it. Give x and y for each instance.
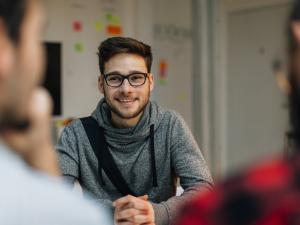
(6, 51)
(296, 31)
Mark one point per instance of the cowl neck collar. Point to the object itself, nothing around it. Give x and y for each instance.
(123, 136)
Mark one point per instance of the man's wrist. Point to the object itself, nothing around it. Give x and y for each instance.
(161, 215)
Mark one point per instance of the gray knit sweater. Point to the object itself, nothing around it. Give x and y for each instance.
(175, 150)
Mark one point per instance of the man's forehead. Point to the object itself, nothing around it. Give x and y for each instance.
(126, 61)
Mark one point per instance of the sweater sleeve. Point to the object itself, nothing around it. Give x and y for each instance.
(68, 153)
(189, 165)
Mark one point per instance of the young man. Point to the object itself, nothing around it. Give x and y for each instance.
(29, 195)
(265, 194)
(149, 144)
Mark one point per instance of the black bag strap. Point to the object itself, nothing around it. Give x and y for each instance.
(96, 137)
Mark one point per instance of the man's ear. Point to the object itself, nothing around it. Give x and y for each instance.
(296, 31)
(6, 51)
(151, 81)
(101, 83)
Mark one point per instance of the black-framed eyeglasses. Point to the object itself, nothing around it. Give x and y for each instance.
(116, 80)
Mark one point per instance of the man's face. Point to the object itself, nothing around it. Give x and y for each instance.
(126, 102)
(21, 65)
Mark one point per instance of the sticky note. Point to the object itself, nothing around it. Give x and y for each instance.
(114, 30)
(78, 47)
(113, 19)
(99, 26)
(77, 26)
(162, 74)
(163, 68)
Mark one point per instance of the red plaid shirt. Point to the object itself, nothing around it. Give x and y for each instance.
(267, 194)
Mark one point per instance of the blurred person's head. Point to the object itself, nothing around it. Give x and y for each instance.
(294, 69)
(121, 58)
(21, 58)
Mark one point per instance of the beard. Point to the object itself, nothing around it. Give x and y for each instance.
(122, 115)
(10, 121)
(125, 115)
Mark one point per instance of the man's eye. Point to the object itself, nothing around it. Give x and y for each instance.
(137, 77)
(114, 78)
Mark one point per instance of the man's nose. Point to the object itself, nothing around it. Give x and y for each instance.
(126, 87)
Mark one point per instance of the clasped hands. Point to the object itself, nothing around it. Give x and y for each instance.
(130, 210)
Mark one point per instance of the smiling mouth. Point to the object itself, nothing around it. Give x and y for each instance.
(126, 101)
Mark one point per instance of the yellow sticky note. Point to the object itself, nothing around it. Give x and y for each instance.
(99, 26)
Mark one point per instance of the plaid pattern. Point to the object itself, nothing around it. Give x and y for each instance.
(267, 194)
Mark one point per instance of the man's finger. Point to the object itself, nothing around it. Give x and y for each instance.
(123, 223)
(123, 200)
(128, 198)
(144, 197)
(125, 214)
(123, 207)
(136, 203)
(141, 219)
(140, 205)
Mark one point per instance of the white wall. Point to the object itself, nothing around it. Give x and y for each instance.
(251, 118)
(173, 44)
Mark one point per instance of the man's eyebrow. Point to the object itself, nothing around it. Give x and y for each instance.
(113, 72)
(119, 73)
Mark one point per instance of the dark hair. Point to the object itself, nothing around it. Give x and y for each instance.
(117, 45)
(294, 97)
(12, 13)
